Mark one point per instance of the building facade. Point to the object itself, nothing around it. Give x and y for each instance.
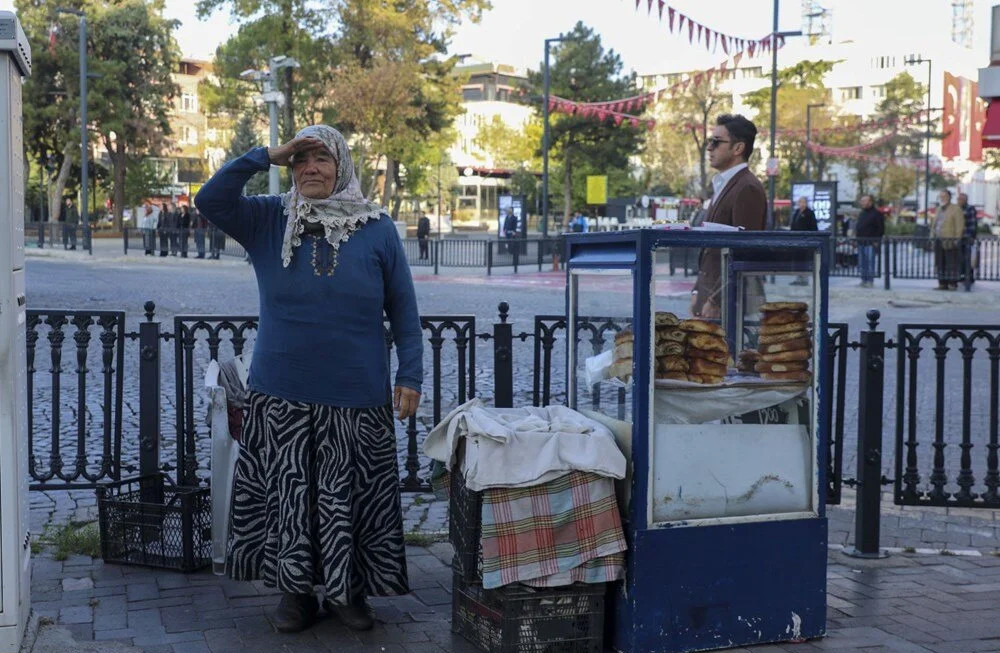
(488, 93)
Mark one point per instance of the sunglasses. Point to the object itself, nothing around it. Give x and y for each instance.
(714, 142)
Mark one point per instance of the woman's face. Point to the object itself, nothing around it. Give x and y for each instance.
(315, 173)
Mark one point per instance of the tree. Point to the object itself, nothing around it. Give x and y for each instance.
(144, 178)
(798, 86)
(51, 96)
(135, 55)
(584, 71)
(398, 49)
(244, 140)
(690, 114)
(510, 148)
(270, 28)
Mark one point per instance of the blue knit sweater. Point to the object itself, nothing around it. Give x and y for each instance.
(321, 337)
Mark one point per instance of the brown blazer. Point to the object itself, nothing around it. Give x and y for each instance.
(742, 203)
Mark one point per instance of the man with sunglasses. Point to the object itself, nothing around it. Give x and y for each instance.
(739, 201)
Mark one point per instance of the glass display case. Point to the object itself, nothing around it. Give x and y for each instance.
(709, 371)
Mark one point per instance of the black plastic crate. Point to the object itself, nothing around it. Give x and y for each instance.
(148, 521)
(465, 527)
(521, 619)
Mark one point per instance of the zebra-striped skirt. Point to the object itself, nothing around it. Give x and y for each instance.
(316, 500)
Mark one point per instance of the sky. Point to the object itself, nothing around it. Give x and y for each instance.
(514, 30)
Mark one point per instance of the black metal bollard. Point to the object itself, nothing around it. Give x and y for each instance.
(503, 360)
(886, 269)
(489, 257)
(41, 235)
(871, 379)
(149, 393)
(125, 239)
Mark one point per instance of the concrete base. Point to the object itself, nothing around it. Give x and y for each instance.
(854, 553)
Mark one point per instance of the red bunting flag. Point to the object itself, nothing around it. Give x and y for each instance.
(699, 33)
(670, 18)
(662, 2)
(635, 122)
(750, 48)
(637, 4)
(618, 119)
(680, 22)
(691, 31)
(725, 45)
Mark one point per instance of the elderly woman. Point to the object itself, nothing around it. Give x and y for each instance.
(316, 489)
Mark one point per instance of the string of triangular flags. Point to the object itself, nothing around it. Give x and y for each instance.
(908, 162)
(852, 149)
(869, 125)
(619, 108)
(713, 39)
(562, 105)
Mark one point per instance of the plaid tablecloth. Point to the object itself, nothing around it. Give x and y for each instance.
(564, 531)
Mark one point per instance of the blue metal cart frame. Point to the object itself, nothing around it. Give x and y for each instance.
(740, 581)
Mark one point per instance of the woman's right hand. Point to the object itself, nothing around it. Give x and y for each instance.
(282, 155)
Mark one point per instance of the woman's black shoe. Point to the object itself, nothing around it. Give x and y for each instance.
(295, 612)
(355, 616)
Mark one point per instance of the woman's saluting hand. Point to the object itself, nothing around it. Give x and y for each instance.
(282, 155)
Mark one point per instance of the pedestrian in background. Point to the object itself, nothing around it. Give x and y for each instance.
(947, 229)
(162, 221)
(147, 222)
(184, 226)
(510, 230)
(200, 225)
(423, 235)
(701, 212)
(804, 219)
(172, 222)
(970, 250)
(72, 219)
(869, 230)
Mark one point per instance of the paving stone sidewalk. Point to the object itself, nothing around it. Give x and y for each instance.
(905, 604)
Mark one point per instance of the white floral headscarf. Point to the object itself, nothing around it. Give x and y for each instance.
(341, 213)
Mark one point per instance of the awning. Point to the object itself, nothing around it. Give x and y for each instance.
(991, 130)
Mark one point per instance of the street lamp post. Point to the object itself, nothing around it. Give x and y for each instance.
(775, 35)
(913, 61)
(809, 108)
(545, 137)
(274, 98)
(84, 158)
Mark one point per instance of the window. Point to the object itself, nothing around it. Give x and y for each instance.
(878, 91)
(882, 63)
(189, 103)
(189, 135)
(472, 94)
(850, 93)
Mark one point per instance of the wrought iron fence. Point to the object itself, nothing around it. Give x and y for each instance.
(55, 235)
(930, 359)
(850, 256)
(97, 339)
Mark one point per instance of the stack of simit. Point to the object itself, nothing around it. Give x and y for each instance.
(784, 343)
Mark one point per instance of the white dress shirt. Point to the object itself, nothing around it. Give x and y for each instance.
(720, 180)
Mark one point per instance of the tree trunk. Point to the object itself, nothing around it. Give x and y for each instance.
(389, 185)
(288, 27)
(567, 187)
(398, 195)
(59, 186)
(374, 183)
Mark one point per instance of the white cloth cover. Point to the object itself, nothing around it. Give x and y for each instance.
(520, 447)
(225, 451)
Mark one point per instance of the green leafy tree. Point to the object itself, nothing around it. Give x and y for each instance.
(270, 28)
(585, 71)
(398, 49)
(134, 55)
(144, 178)
(245, 139)
(51, 97)
(798, 86)
(511, 148)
